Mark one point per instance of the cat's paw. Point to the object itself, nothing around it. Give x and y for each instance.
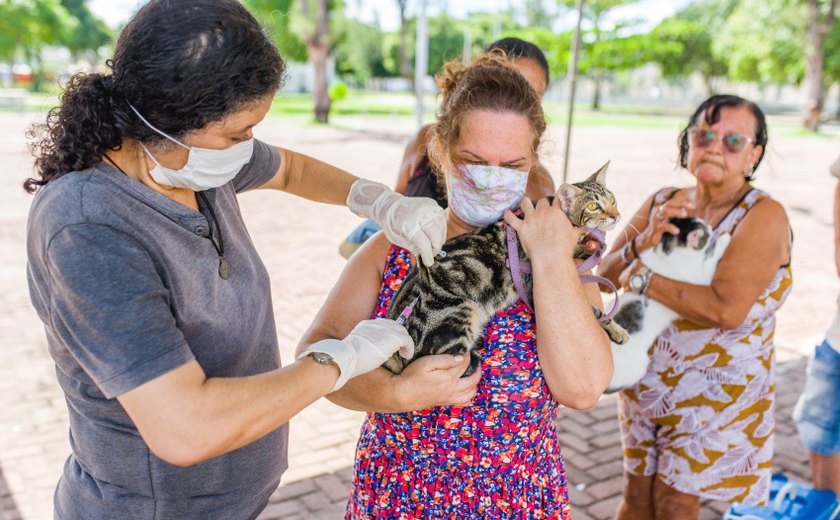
(475, 363)
(617, 333)
(395, 364)
(613, 389)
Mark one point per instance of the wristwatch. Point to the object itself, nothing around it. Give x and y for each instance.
(640, 280)
(323, 358)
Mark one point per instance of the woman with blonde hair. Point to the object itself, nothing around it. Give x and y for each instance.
(438, 445)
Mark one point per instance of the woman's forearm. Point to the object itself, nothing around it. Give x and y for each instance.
(311, 179)
(614, 263)
(573, 349)
(187, 418)
(376, 391)
(700, 304)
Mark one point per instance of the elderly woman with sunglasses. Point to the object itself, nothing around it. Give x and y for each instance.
(699, 424)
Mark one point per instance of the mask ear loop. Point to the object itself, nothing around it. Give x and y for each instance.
(152, 157)
(161, 132)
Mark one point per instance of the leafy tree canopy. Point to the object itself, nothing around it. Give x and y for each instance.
(762, 46)
(29, 25)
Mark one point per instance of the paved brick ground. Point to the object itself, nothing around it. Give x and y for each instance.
(298, 243)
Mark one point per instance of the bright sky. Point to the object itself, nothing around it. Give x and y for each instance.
(115, 12)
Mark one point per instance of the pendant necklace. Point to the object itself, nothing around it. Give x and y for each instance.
(224, 266)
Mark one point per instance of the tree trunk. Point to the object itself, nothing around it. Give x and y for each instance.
(319, 58)
(814, 70)
(318, 45)
(405, 65)
(710, 87)
(837, 114)
(818, 27)
(708, 82)
(597, 73)
(596, 98)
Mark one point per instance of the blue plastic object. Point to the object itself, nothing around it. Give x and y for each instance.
(357, 237)
(362, 232)
(789, 500)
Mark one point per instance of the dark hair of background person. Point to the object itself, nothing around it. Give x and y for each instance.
(520, 49)
(491, 82)
(711, 108)
(181, 63)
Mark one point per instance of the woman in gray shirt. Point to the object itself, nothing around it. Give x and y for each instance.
(154, 300)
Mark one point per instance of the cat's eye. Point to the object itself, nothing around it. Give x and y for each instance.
(592, 206)
(612, 201)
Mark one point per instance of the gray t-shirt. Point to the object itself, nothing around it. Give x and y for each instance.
(127, 284)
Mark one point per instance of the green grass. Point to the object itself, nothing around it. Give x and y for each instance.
(374, 104)
(356, 103)
(41, 102)
(604, 118)
(384, 104)
(797, 130)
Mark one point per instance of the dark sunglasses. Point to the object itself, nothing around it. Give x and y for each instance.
(733, 143)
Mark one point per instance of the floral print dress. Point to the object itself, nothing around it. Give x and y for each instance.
(497, 459)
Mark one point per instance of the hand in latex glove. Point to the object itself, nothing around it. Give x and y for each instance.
(368, 345)
(417, 224)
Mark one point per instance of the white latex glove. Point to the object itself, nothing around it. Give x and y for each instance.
(368, 345)
(415, 223)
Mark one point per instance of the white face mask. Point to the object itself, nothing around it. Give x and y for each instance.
(206, 168)
(479, 194)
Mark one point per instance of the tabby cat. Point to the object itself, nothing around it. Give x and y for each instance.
(692, 257)
(455, 297)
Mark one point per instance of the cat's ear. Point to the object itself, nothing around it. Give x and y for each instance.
(566, 193)
(600, 176)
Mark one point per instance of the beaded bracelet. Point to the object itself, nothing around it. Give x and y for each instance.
(633, 247)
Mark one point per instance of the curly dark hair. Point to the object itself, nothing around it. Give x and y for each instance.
(181, 63)
(710, 109)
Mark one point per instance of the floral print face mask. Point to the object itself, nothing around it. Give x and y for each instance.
(479, 194)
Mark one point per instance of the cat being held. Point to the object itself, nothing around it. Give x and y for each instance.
(455, 297)
(692, 257)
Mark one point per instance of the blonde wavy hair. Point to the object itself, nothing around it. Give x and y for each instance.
(491, 82)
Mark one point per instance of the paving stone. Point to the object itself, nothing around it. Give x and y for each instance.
(581, 461)
(604, 509)
(605, 488)
(609, 440)
(570, 427)
(332, 487)
(578, 514)
(580, 498)
(331, 512)
(281, 510)
(581, 445)
(608, 470)
(604, 455)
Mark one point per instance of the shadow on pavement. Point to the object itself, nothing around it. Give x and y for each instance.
(8, 506)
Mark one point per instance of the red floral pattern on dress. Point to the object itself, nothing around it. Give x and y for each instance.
(498, 459)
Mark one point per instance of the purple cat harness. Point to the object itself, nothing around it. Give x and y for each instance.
(518, 267)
